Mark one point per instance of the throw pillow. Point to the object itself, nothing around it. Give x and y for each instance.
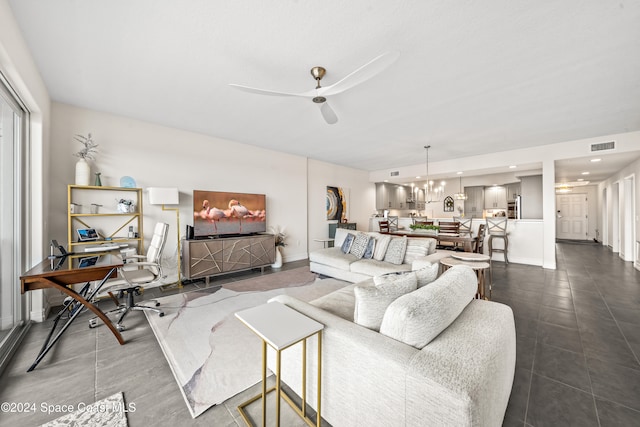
(427, 274)
(368, 252)
(359, 245)
(348, 241)
(381, 247)
(417, 318)
(372, 301)
(395, 251)
(416, 248)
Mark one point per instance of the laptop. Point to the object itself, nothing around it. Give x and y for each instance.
(88, 261)
(87, 234)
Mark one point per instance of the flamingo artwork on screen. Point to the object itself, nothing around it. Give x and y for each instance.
(222, 213)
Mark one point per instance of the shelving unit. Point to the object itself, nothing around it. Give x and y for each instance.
(109, 223)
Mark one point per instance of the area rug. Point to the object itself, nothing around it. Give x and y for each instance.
(108, 412)
(213, 356)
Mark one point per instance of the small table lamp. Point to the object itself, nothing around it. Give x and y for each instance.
(168, 196)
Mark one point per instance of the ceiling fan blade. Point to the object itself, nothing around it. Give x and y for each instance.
(265, 91)
(328, 113)
(362, 74)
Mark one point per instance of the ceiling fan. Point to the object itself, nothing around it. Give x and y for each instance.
(319, 94)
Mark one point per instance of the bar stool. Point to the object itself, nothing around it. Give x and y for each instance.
(497, 228)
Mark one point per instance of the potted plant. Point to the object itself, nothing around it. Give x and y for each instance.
(89, 150)
(280, 238)
(424, 228)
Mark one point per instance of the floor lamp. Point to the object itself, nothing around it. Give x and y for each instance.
(168, 196)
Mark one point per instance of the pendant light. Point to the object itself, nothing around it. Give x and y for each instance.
(460, 195)
(431, 194)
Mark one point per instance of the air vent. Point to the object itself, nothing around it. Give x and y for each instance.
(603, 146)
(395, 173)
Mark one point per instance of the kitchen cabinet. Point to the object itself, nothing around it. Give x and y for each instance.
(474, 204)
(382, 196)
(513, 190)
(495, 197)
(401, 194)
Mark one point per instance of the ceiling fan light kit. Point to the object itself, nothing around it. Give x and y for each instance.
(319, 94)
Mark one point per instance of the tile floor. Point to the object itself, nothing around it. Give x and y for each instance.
(578, 338)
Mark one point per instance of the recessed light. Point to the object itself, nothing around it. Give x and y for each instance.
(386, 180)
(595, 160)
(512, 167)
(580, 179)
(585, 173)
(459, 173)
(417, 177)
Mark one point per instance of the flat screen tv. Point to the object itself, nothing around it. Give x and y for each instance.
(221, 213)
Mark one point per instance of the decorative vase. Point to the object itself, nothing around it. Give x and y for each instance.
(83, 172)
(278, 262)
(98, 182)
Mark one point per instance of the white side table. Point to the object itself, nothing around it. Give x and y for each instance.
(325, 242)
(281, 327)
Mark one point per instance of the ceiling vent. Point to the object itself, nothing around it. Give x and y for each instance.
(395, 173)
(603, 146)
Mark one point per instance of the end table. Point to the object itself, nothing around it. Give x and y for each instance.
(282, 327)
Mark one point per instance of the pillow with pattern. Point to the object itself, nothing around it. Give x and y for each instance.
(348, 241)
(359, 245)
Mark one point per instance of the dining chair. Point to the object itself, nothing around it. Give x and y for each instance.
(497, 229)
(384, 226)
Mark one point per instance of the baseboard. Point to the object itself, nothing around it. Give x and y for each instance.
(39, 315)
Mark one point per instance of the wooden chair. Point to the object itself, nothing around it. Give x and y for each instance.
(384, 226)
(449, 227)
(480, 240)
(465, 225)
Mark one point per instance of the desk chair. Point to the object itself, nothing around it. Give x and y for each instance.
(497, 229)
(384, 226)
(134, 277)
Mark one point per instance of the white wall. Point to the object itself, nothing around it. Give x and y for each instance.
(17, 65)
(630, 232)
(158, 156)
(361, 196)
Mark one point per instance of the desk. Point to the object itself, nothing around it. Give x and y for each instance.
(467, 241)
(281, 327)
(60, 274)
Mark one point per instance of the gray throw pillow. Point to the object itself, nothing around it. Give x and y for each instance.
(368, 252)
(395, 251)
(359, 245)
(418, 317)
(372, 301)
(427, 274)
(348, 241)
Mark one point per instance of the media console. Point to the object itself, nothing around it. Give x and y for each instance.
(204, 258)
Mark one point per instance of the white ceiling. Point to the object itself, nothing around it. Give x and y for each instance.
(473, 76)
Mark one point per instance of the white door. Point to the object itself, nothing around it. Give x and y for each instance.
(571, 216)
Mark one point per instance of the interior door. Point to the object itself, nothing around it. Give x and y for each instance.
(572, 216)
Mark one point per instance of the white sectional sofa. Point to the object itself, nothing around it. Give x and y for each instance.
(440, 357)
(334, 262)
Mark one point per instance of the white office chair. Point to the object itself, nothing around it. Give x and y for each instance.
(135, 276)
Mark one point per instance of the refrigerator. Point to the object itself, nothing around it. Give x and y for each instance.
(514, 208)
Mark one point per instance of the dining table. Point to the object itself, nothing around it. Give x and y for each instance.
(466, 241)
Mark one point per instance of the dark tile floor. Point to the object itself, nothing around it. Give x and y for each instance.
(578, 338)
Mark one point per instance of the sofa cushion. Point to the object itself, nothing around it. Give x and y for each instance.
(371, 246)
(341, 233)
(382, 243)
(417, 318)
(417, 247)
(371, 267)
(359, 245)
(372, 300)
(340, 302)
(332, 257)
(427, 274)
(348, 241)
(396, 250)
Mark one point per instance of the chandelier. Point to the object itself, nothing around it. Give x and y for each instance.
(460, 195)
(431, 193)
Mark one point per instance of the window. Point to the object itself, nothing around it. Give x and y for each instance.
(13, 118)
